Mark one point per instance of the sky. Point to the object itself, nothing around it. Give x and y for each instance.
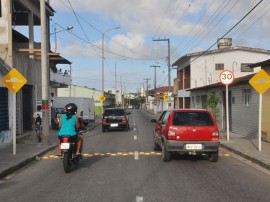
(141, 40)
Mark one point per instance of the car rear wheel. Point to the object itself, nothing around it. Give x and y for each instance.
(127, 128)
(165, 154)
(213, 157)
(103, 129)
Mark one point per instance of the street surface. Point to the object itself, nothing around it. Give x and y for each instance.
(121, 166)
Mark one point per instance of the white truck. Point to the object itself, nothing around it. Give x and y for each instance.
(86, 107)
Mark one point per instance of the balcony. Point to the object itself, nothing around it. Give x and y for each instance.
(59, 80)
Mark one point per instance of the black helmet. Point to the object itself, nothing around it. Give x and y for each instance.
(71, 108)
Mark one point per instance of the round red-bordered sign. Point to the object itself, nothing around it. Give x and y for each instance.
(226, 77)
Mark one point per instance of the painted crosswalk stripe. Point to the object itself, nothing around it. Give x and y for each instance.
(136, 155)
(139, 199)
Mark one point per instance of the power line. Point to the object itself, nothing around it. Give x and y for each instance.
(227, 32)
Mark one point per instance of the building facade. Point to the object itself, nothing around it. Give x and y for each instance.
(203, 68)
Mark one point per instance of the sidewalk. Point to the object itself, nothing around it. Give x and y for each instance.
(28, 149)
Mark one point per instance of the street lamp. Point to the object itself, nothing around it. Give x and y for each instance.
(115, 81)
(103, 62)
(55, 32)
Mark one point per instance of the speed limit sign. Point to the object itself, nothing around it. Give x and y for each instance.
(226, 77)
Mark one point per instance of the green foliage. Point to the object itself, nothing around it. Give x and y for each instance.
(212, 103)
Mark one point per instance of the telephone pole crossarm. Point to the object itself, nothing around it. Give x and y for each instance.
(169, 62)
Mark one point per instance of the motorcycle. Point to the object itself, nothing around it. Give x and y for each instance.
(68, 149)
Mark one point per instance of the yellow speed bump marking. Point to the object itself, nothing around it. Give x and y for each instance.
(117, 154)
(108, 154)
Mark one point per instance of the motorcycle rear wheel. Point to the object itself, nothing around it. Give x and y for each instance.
(66, 162)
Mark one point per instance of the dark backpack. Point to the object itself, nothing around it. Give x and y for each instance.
(38, 120)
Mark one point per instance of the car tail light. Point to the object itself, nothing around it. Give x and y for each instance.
(65, 139)
(103, 120)
(171, 135)
(124, 120)
(215, 135)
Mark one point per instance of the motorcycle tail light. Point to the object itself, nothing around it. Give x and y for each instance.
(65, 139)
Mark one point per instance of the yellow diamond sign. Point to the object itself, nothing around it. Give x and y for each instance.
(260, 81)
(102, 98)
(14, 80)
(165, 97)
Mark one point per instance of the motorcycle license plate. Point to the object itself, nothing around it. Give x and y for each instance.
(65, 145)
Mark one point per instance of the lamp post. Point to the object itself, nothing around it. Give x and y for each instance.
(103, 62)
(115, 83)
(55, 32)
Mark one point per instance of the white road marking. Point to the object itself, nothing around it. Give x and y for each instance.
(135, 137)
(136, 155)
(134, 129)
(139, 199)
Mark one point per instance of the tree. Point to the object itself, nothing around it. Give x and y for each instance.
(212, 103)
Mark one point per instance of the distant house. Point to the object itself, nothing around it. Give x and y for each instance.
(156, 100)
(203, 68)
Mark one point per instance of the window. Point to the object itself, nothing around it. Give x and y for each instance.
(246, 97)
(165, 119)
(192, 119)
(198, 99)
(220, 66)
(245, 68)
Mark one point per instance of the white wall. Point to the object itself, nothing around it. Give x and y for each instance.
(204, 68)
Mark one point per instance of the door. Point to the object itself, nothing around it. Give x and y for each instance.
(27, 104)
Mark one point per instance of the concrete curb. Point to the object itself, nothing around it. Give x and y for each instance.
(25, 162)
(246, 156)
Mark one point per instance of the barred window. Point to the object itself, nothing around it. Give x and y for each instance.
(246, 68)
(219, 66)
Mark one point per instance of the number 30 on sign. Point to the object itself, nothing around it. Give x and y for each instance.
(226, 77)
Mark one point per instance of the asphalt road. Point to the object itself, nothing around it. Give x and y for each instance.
(122, 166)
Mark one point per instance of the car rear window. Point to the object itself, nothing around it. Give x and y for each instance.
(114, 112)
(192, 119)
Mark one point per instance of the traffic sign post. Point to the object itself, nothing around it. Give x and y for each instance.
(227, 77)
(102, 98)
(14, 81)
(261, 83)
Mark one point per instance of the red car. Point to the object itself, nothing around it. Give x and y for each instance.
(186, 131)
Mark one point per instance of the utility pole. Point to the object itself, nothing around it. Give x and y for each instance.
(155, 82)
(44, 73)
(147, 90)
(169, 62)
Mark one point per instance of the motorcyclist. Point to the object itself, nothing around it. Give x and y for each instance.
(69, 125)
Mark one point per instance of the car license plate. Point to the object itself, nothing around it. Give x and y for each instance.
(65, 145)
(114, 125)
(193, 146)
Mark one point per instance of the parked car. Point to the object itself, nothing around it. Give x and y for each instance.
(186, 131)
(115, 118)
